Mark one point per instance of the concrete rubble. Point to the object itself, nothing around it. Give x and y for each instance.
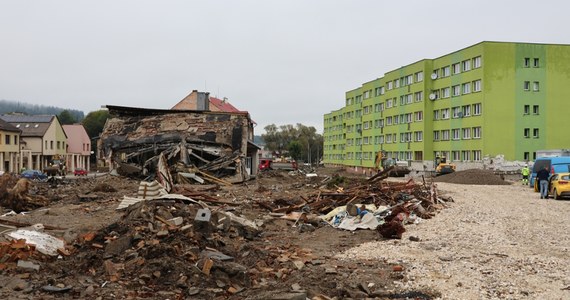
(177, 239)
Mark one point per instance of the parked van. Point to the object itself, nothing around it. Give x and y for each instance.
(559, 164)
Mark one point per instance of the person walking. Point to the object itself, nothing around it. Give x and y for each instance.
(525, 171)
(542, 177)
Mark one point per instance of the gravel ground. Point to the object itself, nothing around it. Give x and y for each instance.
(493, 242)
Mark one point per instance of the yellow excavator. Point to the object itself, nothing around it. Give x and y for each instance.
(400, 167)
(443, 167)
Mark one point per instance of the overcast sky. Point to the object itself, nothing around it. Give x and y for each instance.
(285, 62)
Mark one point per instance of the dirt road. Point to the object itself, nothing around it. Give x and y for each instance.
(494, 242)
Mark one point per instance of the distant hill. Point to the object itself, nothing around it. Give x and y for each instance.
(7, 106)
(258, 140)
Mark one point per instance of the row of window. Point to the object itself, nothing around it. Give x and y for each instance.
(60, 145)
(401, 82)
(9, 139)
(457, 68)
(535, 62)
(455, 155)
(526, 133)
(460, 155)
(457, 134)
(535, 86)
(457, 90)
(457, 112)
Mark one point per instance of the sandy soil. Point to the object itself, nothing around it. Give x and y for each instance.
(493, 242)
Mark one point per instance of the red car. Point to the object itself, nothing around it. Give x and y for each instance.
(80, 172)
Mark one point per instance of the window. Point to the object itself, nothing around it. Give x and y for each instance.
(456, 112)
(51, 145)
(527, 62)
(466, 65)
(465, 155)
(377, 92)
(476, 132)
(58, 145)
(408, 80)
(455, 90)
(445, 135)
(388, 120)
(477, 86)
(388, 103)
(535, 109)
(388, 139)
(419, 116)
(419, 76)
(526, 110)
(477, 109)
(476, 155)
(455, 155)
(366, 110)
(434, 74)
(366, 125)
(397, 83)
(467, 88)
(535, 133)
(436, 135)
(526, 133)
(526, 156)
(46, 144)
(445, 92)
(445, 71)
(535, 86)
(456, 68)
(466, 110)
(436, 114)
(418, 136)
(15, 140)
(358, 99)
(365, 140)
(419, 96)
(526, 86)
(381, 90)
(455, 134)
(477, 62)
(389, 87)
(466, 133)
(536, 63)
(445, 113)
(7, 139)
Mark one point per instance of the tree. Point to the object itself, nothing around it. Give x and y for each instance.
(301, 142)
(94, 122)
(295, 150)
(66, 118)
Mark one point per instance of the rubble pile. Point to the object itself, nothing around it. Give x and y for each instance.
(473, 176)
(218, 241)
(15, 194)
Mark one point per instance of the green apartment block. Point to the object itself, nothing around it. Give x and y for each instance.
(489, 99)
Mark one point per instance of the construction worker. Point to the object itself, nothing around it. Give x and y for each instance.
(525, 171)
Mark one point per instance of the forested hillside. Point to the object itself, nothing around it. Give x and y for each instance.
(35, 109)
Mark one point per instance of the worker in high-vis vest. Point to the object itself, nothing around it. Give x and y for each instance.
(525, 171)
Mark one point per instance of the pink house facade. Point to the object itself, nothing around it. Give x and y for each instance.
(78, 147)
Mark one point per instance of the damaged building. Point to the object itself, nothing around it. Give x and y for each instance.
(194, 145)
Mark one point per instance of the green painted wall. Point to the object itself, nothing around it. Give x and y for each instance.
(508, 111)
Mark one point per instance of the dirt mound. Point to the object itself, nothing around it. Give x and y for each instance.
(472, 176)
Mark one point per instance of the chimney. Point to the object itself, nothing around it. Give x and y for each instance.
(203, 101)
(225, 100)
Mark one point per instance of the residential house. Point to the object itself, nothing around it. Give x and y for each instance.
(9, 147)
(196, 101)
(78, 147)
(42, 139)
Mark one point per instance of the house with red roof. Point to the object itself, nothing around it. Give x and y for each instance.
(192, 102)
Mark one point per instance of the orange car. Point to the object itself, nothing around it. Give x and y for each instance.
(559, 185)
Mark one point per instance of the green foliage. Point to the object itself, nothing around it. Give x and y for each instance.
(94, 122)
(300, 142)
(66, 118)
(295, 150)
